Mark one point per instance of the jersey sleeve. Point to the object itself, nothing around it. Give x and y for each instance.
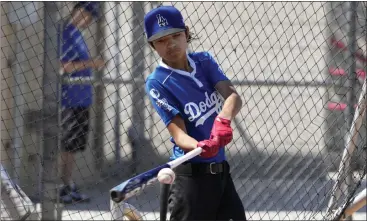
(216, 74)
(162, 101)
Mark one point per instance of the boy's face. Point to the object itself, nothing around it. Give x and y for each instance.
(171, 47)
(85, 18)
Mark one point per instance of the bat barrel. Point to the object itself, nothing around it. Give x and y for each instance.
(134, 185)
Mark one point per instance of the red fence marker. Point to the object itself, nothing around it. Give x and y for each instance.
(339, 71)
(339, 44)
(338, 106)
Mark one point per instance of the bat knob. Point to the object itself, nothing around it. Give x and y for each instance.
(115, 196)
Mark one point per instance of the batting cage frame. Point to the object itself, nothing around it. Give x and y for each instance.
(356, 200)
(299, 145)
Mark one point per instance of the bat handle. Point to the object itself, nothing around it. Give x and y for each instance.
(186, 157)
(164, 201)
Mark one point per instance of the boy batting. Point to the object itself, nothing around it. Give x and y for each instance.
(197, 103)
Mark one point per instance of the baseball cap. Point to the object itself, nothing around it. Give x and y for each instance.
(91, 7)
(162, 21)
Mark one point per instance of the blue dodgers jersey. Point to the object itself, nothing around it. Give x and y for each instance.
(74, 48)
(191, 95)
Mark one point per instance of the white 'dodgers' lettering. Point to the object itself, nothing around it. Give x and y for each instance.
(212, 104)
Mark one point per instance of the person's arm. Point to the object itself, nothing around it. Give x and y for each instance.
(69, 64)
(232, 100)
(222, 132)
(166, 107)
(73, 66)
(177, 129)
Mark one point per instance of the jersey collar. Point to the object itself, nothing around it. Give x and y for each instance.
(192, 64)
(184, 73)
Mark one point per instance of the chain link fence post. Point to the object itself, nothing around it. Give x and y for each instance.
(117, 12)
(351, 84)
(50, 208)
(98, 129)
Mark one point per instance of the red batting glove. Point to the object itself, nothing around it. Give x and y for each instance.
(210, 148)
(222, 132)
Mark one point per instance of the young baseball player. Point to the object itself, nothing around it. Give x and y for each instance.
(76, 98)
(197, 102)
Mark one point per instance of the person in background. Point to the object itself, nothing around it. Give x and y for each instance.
(76, 98)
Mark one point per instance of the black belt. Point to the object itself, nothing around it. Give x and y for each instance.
(202, 168)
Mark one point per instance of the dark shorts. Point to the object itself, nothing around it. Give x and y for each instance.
(204, 196)
(75, 125)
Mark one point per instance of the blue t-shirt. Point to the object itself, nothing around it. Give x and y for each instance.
(191, 95)
(74, 48)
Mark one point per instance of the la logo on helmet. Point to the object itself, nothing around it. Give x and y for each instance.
(161, 21)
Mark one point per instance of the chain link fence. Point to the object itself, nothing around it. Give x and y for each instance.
(299, 67)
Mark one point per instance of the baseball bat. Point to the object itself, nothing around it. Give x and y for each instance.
(136, 184)
(357, 204)
(164, 201)
(122, 210)
(15, 203)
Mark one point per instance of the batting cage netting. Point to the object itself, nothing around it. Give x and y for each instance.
(299, 145)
